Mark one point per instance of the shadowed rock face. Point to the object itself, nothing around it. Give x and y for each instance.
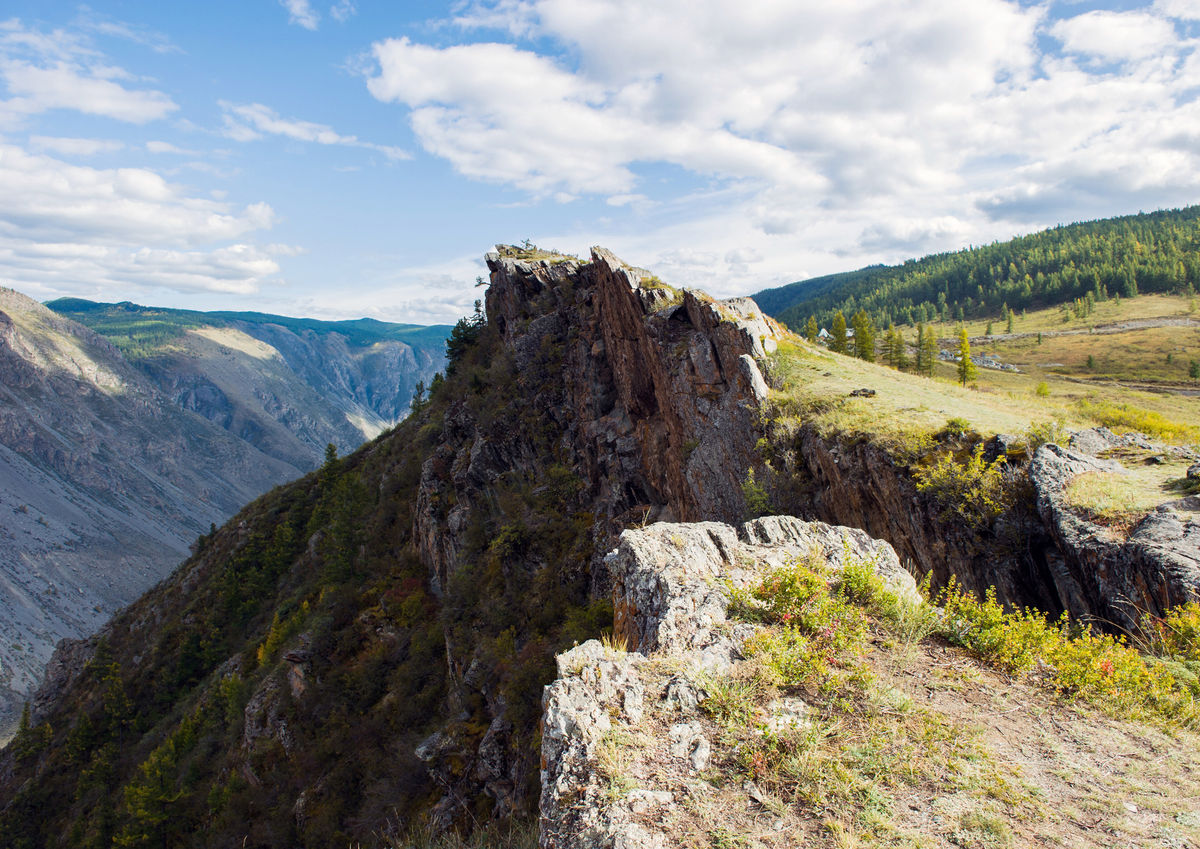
(658, 402)
(651, 402)
(1155, 568)
(104, 483)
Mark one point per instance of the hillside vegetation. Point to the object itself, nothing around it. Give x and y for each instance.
(1148, 252)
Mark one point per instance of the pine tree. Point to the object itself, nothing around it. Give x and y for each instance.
(837, 341)
(1009, 327)
(966, 368)
(899, 352)
(810, 329)
(864, 337)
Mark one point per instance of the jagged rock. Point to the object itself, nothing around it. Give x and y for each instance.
(659, 411)
(670, 590)
(862, 393)
(1193, 472)
(857, 483)
(1157, 567)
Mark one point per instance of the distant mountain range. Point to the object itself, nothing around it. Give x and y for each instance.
(123, 440)
(1148, 252)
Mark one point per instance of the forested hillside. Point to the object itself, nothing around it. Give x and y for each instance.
(1148, 252)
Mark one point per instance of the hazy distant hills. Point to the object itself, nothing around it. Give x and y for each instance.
(118, 450)
(287, 386)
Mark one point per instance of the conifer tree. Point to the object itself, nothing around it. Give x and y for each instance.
(966, 368)
(837, 331)
(864, 337)
(810, 329)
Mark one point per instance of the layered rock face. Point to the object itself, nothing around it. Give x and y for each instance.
(104, 483)
(653, 404)
(670, 591)
(644, 401)
(1116, 580)
(861, 485)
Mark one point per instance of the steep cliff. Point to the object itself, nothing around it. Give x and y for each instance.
(365, 648)
(104, 483)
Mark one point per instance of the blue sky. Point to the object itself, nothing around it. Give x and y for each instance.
(347, 157)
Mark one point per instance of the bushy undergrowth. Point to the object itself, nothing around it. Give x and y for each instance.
(1125, 417)
(972, 490)
(1099, 669)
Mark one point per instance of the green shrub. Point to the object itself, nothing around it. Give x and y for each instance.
(1099, 669)
(1123, 417)
(975, 491)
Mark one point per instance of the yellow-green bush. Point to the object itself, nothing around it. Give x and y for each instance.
(1100, 669)
(975, 491)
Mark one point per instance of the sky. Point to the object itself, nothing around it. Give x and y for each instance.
(347, 158)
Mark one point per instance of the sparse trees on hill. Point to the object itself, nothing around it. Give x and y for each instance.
(926, 350)
(894, 352)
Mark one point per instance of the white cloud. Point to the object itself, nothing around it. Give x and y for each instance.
(839, 132)
(343, 10)
(166, 147)
(250, 122)
(1116, 35)
(59, 70)
(301, 13)
(66, 225)
(75, 147)
(1188, 10)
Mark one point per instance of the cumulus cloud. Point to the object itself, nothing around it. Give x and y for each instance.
(870, 130)
(1116, 36)
(58, 70)
(250, 122)
(301, 13)
(63, 224)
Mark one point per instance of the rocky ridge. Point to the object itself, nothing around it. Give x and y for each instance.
(671, 590)
(1157, 566)
(287, 386)
(646, 399)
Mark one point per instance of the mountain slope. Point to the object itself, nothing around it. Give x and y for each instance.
(103, 484)
(288, 386)
(1148, 252)
(366, 647)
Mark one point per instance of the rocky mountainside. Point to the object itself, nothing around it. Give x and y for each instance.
(365, 648)
(364, 651)
(287, 386)
(104, 483)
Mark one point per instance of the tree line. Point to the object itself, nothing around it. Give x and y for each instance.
(1094, 260)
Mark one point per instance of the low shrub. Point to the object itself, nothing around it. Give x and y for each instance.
(1098, 669)
(975, 491)
(1125, 417)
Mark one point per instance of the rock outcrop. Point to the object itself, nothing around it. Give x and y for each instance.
(862, 485)
(1107, 577)
(637, 404)
(670, 591)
